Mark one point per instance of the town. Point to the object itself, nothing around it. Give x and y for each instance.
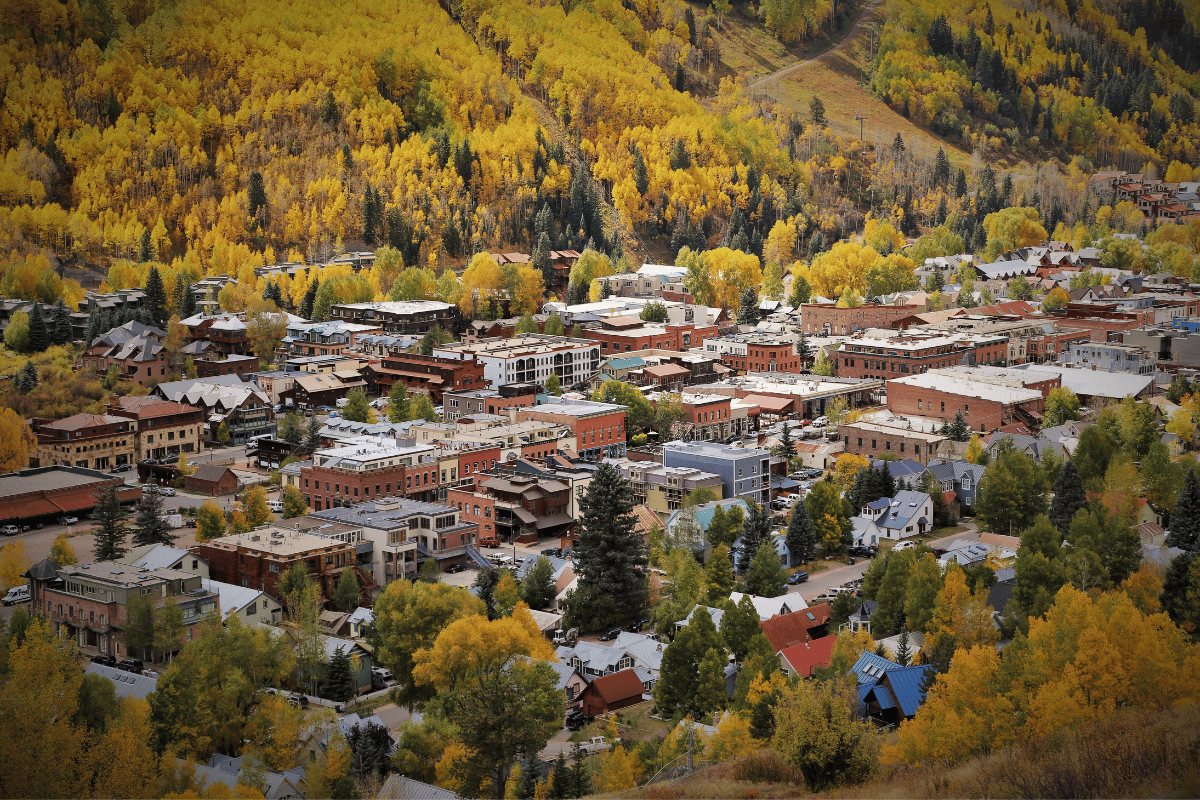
(664, 510)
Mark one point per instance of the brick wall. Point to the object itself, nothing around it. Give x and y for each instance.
(898, 443)
(419, 482)
(476, 509)
(981, 415)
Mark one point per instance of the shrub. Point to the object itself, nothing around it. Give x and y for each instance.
(766, 766)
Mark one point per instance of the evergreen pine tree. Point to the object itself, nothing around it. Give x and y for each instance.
(110, 530)
(339, 680)
(310, 297)
(641, 177)
(256, 198)
(739, 626)
(611, 555)
(149, 527)
(156, 298)
(1069, 497)
(531, 773)
(1185, 519)
(560, 779)
(93, 327)
(313, 438)
(765, 576)
(581, 777)
(958, 430)
(941, 168)
(903, 653)
(755, 532)
(886, 483)
(62, 324)
(39, 336)
(27, 378)
(679, 674)
(960, 184)
(801, 538)
(787, 446)
(144, 251)
(187, 307)
(747, 313)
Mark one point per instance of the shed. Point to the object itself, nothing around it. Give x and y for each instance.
(212, 480)
(612, 692)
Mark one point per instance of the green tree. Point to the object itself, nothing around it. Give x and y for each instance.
(701, 496)
(553, 386)
(346, 595)
(140, 623)
(801, 538)
(149, 527)
(890, 613)
(739, 626)
(669, 411)
(110, 529)
(828, 515)
(921, 593)
(654, 312)
(560, 779)
(818, 733)
(710, 687)
(16, 335)
(1181, 591)
(1069, 497)
(531, 772)
(39, 336)
(719, 580)
(816, 111)
(1092, 454)
(294, 504)
(822, 366)
(610, 557)
(292, 428)
(1185, 519)
(1040, 572)
(422, 408)
(787, 446)
(537, 590)
(61, 333)
(223, 435)
(210, 522)
(638, 414)
(339, 679)
(527, 324)
(1062, 405)
(156, 297)
(554, 326)
(581, 777)
(756, 533)
(958, 430)
(313, 438)
(1019, 289)
(1162, 478)
(725, 525)
(168, 632)
(1011, 492)
(357, 409)
(679, 675)
(766, 576)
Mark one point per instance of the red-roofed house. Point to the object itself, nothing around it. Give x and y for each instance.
(611, 692)
(789, 630)
(802, 659)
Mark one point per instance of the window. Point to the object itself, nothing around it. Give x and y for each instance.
(273, 568)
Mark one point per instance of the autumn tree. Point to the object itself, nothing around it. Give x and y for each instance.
(817, 732)
(210, 522)
(16, 440)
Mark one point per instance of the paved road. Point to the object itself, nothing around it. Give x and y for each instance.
(845, 42)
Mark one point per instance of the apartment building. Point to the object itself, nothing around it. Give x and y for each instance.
(757, 352)
(826, 319)
(468, 402)
(912, 353)
(529, 358)
(875, 440)
(432, 375)
(259, 559)
(985, 405)
(91, 441)
(369, 470)
(663, 489)
(626, 334)
(744, 471)
(405, 316)
(224, 400)
(163, 427)
(1110, 357)
(324, 338)
(598, 429)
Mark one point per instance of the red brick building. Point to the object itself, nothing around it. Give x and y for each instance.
(1098, 322)
(828, 319)
(92, 441)
(525, 508)
(985, 403)
(1049, 345)
(626, 334)
(89, 602)
(164, 427)
(431, 375)
(872, 440)
(260, 558)
(479, 508)
(465, 402)
(598, 428)
(915, 353)
(367, 472)
(233, 365)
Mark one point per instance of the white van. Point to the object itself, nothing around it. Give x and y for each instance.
(17, 594)
(275, 505)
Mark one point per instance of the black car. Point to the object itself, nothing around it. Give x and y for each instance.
(556, 552)
(171, 459)
(639, 626)
(798, 577)
(575, 721)
(297, 700)
(108, 661)
(609, 635)
(131, 665)
(454, 568)
(120, 468)
(859, 550)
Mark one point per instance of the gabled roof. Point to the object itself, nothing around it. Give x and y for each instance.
(903, 509)
(642, 648)
(804, 658)
(788, 630)
(905, 684)
(210, 472)
(870, 668)
(127, 684)
(618, 686)
(768, 607)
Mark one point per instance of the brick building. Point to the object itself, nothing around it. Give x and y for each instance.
(757, 352)
(430, 375)
(89, 602)
(91, 441)
(478, 508)
(324, 338)
(598, 428)
(913, 353)
(227, 332)
(1097, 321)
(142, 359)
(827, 319)
(707, 417)
(625, 334)
(260, 558)
(465, 402)
(163, 427)
(874, 440)
(48, 493)
(526, 508)
(231, 365)
(368, 471)
(985, 405)
(213, 480)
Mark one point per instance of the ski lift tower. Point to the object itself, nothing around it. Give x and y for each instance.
(860, 117)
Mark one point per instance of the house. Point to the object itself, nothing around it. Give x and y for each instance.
(161, 556)
(897, 694)
(870, 668)
(226, 769)
(398, 787)
(1150, 533)
(570, 683)
(865, 532)
(225, 399)
(905, 515)
(249, 605)
(959, 476)
(861, 618)
(769, 607)
(802, 659)
(788, 630)
(646, 651)
(125, 684)
(613, 692)
(212, 480)
(594, 660)
(703, 513)
(891, 645)
(1000, 594)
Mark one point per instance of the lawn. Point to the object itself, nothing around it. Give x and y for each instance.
(635, 724)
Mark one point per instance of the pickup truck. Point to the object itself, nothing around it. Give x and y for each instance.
(596, 744)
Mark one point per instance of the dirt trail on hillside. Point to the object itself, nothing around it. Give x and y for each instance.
(837, 48)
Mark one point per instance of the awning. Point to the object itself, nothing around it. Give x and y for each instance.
(524, 516)
(784, 483)
(24, 509)
(776, 405)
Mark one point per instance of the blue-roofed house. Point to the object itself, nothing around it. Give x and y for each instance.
(870, 668)
(704, 513)
(897, 694)
(616, 369)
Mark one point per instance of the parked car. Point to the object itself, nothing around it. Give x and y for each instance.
(298, 700)
(829, 595)
(108, 661)
(70, 520)
(171, 459)
(17, 594)
(556, 552)
(381, 678)
(149, 488)
(798, 577)
(908, 545)
(131, 665)
(820, 422)
(275, 505)
(10, 530)
(576, 720)
(609, 635)
(167, 491)
(455, 568)
(121, 468)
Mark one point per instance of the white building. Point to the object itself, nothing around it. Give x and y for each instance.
(529, 358)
